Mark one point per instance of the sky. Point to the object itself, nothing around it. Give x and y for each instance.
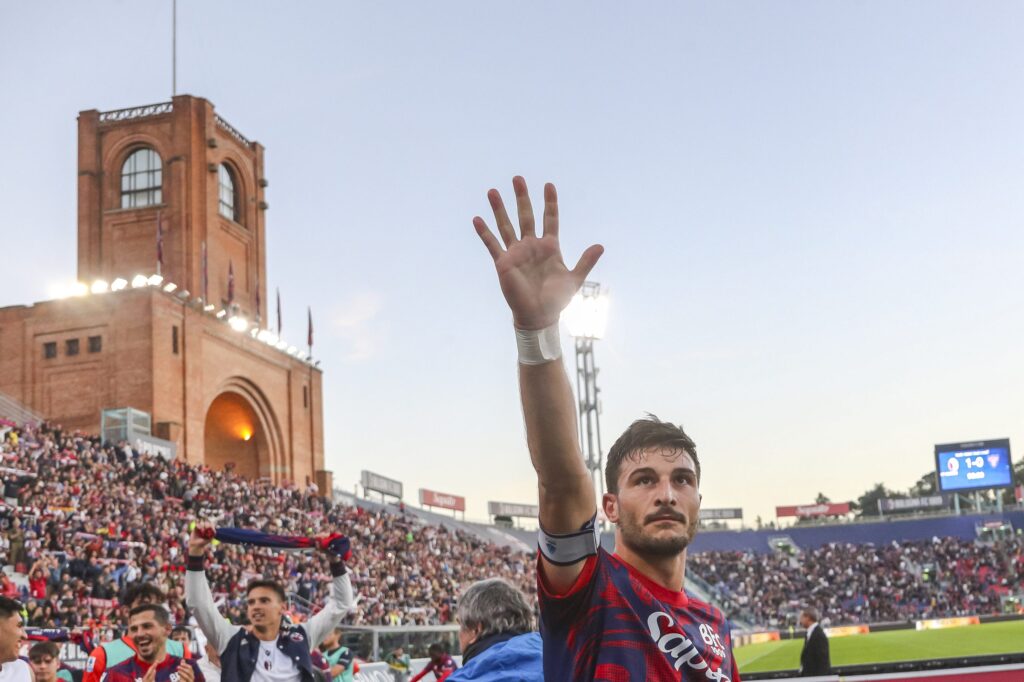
(812, 213)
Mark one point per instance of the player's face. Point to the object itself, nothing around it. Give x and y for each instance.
(658, 502)
(11, 634)
(264, 607)
(45, 668)
(149, 635)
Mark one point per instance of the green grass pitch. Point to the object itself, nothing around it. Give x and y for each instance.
(888, 647)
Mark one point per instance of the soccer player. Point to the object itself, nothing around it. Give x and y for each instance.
(271, 650)
(149, 626)
(44, 659)
(109, 654)
(622, 616)
(441, 664)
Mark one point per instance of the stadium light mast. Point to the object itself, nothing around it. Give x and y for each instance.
(586, 318)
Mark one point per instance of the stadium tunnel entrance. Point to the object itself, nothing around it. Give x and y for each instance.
(241, 433)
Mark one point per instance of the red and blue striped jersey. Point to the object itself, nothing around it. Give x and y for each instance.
(617, 625)
(134, 669)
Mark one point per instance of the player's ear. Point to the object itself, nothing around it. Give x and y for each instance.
(610, 505)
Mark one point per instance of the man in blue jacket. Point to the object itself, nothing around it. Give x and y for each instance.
(496, 635)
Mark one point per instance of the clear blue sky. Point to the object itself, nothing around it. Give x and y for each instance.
(813, 213)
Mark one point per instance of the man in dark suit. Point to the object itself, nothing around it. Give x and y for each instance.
(814, 659)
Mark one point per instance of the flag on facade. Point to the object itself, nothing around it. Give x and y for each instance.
(309, 334)
(258, 298)
(231, 282)
(278, 311)
(206, 277)
(159, 244)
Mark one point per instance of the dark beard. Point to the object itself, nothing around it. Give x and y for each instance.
(662, 548)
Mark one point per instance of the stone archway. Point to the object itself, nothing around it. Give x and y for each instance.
(241, 432)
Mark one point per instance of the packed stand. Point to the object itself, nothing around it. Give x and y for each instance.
(867, 584)
(84, 521)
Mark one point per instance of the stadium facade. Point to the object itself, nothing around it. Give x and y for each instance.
(172, 248)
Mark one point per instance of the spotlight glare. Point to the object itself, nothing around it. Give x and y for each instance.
(79, 289)
(118, 284)
(209, 308)
(221, 314)
(170, 287)
(139, 281)
(238, 323)
(281, 345)
(155, 280)
(100, 286)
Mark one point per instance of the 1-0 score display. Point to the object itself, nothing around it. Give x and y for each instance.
(974, 466)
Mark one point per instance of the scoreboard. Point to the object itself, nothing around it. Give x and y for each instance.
(974, 466)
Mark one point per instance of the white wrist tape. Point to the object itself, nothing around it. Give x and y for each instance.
(570, 548)
(537, 346)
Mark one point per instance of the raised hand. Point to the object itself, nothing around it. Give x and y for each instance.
(150, 675)
(185, 672)
(533, 276)
(197, 542)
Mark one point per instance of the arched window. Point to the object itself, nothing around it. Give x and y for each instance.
(141, 179)
(228, 196)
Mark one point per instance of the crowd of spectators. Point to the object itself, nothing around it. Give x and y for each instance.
(84, 520)
(864, 583)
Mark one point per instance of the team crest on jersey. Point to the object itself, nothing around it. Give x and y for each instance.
(296, 637)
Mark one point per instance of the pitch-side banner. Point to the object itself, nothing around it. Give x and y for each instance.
(809, 510)
(889, 504)
(512, 509)
(432, 498)
(720, 514)
(382, 484)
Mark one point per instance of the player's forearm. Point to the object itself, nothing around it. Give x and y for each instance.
(198, 595)
(566, 495)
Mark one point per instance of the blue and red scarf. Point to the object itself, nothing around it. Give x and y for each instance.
(335, 543)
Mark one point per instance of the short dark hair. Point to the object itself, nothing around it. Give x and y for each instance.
(181, 628)
(436, 648)
(10, 607)
(137, 591)
(270, 585)
(641, 435)
(40, 649)
(159, 612)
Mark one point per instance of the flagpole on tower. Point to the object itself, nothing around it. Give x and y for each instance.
(174, 48)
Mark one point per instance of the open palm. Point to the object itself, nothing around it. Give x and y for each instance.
(533, 276)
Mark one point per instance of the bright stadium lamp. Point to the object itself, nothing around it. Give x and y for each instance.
(155, 280)
(586, 318)
(170, 287)
(100, 286)
(292, 350)
(139, 281)
(281, 344)
(79, 289)
(209, 307)
(118, 284)
(238, 323)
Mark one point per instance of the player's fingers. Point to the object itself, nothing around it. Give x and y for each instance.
(505, 228)
(550, 211)
(587, 262)
(526, 226)
(488, 238)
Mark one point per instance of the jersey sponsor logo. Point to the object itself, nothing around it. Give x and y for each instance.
(679, 648)
(90, 664)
